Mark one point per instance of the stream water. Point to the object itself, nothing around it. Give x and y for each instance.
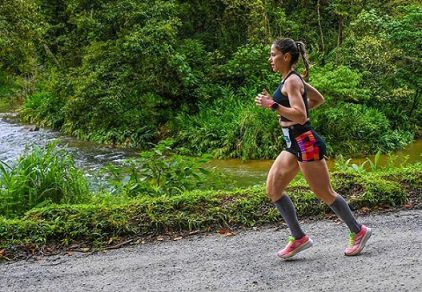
(89, 156)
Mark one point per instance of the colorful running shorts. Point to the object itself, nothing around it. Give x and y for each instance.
(304, 143)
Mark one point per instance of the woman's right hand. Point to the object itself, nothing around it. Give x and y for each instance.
(264, 99)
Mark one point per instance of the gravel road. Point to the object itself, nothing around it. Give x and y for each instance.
(392, 261)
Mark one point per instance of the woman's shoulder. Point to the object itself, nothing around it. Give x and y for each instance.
(294, 80)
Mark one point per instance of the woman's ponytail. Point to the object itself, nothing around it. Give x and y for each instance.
(302, 51)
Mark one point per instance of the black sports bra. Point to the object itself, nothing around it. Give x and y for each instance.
(283, 100)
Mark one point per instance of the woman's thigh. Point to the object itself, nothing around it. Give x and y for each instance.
(283, 170)
(317, 175)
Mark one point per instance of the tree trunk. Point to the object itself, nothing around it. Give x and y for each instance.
(340, 35)
(340, 32)
(320, 27)
(414, 103)
(267, 23)
(321, 33)
(51, 55)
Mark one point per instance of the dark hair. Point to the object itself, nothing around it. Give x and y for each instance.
(295, 48)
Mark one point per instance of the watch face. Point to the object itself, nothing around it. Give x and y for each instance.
(274, 106)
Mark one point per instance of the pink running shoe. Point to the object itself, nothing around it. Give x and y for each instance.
(357, 241)
(294, 246)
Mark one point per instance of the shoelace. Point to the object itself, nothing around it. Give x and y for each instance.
(352, 237)
(291, 239)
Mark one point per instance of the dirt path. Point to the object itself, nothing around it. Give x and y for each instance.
(245, 262)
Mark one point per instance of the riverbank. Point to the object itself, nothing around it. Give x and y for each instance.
(107, 221)
(110, 222)
(244, 262)
(91, 157)
(255, 171)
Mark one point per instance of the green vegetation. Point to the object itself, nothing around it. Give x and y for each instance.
(4, 105)
(161, 172)
(354, 128)
(231, 127)
(163, 75)
(197, 210)
(41, 178)
(55, 208)
(134, 73)
(49, 176)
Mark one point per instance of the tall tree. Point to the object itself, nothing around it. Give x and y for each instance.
(21, 29)
(344, 10)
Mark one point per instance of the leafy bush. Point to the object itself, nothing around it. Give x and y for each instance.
(193, 67)
(231, 126)
(161, 171)
(384, 48)
(339, 83)
(357, 129)
(44, 109)
(7, 85)
(120, 84)
(4, 105)
(21, 26)
(44, 105)
(249, 68)
(41, 177)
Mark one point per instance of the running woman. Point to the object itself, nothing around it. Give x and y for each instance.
(305, 150)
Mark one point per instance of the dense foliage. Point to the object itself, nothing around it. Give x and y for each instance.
(161, 172)
(106, 222)
(46, 176)
(133, 72)
(45, 200)
(42, 177)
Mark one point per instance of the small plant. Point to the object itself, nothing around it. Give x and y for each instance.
(345, 165)
(392, 161)
(341, 164)
(161, 171)
(374, 165)
(39, 178)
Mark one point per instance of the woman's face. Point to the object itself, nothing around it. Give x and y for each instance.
(277, 59)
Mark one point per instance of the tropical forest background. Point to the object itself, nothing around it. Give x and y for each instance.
(133, 73)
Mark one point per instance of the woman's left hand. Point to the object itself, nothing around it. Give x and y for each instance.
(264, 99)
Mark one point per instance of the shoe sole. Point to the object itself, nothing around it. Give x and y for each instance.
(300, 248)
(362, 243)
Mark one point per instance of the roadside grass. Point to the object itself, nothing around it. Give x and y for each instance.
(105, 220)
(42, 177)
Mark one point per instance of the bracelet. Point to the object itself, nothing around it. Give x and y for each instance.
(274, 106)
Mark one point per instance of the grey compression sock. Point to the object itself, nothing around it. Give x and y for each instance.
(287, 210)
(342, 210)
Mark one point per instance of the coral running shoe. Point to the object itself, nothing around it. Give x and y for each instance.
(357, 241)
(294, 246)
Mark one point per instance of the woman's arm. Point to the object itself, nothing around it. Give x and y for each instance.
(293, 88)
(296, 112)
(315, 98)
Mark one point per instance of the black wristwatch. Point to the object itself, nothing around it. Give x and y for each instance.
(274, 106)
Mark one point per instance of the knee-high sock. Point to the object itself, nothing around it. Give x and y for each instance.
(342, 210)
(287, 210)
